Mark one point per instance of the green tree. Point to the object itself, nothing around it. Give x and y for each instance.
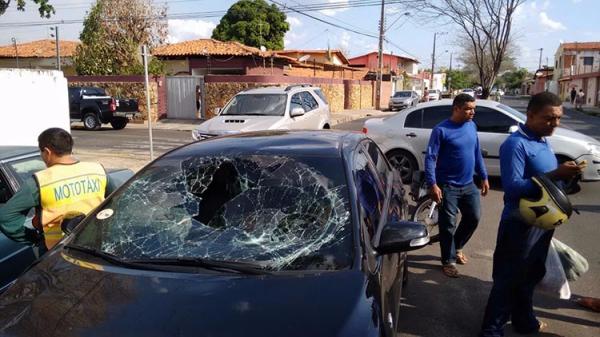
(514, 79)
(253, 23)
(459, 79)
(44, 7)
(114, 31)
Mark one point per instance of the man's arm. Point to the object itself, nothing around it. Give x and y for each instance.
(479, 163)
(433, 149)
(14, 213)
(512, 168)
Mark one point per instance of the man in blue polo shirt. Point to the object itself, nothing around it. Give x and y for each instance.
(521, 249)
(453, 156)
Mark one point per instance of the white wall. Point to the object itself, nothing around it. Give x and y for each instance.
(32, 101)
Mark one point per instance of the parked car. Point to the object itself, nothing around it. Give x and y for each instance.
(403, 99)
(17, 163)
(255, 234)
(94, 107)
(273, 108)
(434, 95)
(468, 91)
(404, 136)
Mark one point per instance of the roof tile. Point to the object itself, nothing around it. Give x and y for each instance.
(41, 48)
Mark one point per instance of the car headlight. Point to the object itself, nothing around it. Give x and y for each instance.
(594, 149)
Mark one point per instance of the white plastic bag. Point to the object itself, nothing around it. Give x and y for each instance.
(555, 281)
(573, 263)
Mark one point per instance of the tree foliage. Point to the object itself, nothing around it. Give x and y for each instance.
(112, 36)
(513, 79)
(486, 24)
(253, 23)
(44, 7)
(459, 79)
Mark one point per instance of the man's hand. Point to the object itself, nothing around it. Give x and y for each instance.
(568, 170)
(435, 193)
(485, 187)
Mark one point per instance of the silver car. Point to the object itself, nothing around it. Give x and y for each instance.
(404, 136)
(403, 99)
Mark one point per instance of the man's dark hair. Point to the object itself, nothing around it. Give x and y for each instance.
(541, 100)
(461, 99)
(57, 140)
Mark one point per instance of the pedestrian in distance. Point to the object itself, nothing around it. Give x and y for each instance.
(66, 189)
(573, 95)
(425, 95)
(522, 245)
(199, 100)
(453, 156)
(580, 100)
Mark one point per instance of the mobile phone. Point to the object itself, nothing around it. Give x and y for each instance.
(582, 163)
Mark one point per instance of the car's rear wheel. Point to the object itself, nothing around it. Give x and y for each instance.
(91, 122)
(119, 123)
(404, 163)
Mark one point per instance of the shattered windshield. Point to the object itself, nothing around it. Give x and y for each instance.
(282, 212)
(256, 104)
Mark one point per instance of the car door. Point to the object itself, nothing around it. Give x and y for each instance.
(312, 118)
(297, 122)
(74, 103)
(14, 257)
(418, 125)
(493, 129)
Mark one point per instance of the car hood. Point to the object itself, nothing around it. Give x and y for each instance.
(220, 125)
(60, 298)
(571, 135)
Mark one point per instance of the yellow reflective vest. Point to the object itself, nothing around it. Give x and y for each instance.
(67, 191)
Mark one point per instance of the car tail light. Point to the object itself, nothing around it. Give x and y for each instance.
(364, 130)
(113, 105)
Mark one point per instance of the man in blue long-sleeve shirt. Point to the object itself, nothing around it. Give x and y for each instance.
(453, 156)
(521, 249)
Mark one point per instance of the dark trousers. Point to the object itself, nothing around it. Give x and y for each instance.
(519, 265)
(453, 237)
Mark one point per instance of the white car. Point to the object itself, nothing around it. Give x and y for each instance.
(403, 99)
(404, 136)
(434, 95)
(272, 108)
(468, 91)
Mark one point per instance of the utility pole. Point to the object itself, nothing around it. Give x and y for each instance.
(540, 63)
(57, 46)
(148, 109)
(433, 57)
(450, 76)
(14, 41)
(380, 58)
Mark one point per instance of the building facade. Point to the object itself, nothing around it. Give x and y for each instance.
(39, 54)
(577, 65)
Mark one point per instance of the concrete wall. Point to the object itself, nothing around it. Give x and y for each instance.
(130, 87)
(358, 94)
(32, 101)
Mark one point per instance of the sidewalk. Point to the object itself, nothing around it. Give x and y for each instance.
(189, 124)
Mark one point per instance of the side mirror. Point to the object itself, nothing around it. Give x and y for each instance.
(513, 128)
(402, 236)
(218, 111)
(69, 225)
(297, 112)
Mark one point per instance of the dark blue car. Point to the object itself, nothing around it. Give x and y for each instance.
(258, 234)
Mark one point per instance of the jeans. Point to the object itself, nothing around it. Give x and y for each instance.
(453, 237)
(519, 265)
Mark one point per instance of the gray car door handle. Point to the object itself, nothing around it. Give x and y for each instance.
(411, 135)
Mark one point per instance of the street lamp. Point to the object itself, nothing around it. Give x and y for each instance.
(433, 54)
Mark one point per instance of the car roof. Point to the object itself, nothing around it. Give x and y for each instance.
(448, 101)
(317, 143)
(277, 90)
(7, 152)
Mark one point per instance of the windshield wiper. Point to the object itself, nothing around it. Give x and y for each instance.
(109, 257)
(236, 266)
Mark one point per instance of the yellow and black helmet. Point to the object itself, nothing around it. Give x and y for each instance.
(549, 209)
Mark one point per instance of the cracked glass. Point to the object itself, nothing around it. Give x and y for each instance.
(283, 212)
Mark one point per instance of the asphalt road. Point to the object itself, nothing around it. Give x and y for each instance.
(434, 305)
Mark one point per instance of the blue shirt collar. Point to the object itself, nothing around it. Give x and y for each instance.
(525, 131)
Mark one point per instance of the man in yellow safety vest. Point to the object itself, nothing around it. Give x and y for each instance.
(65, 189)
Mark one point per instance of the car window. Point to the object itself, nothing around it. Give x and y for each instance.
(73, 94)
(5, 192)
(296, 102)
(370, 196)
(321, 95)
(25, 168)
(256, 105)
(490, 120)
(432, 116)
(310, 103)
(283, 212)
(379, 162)
(413, 120)
(402, 94)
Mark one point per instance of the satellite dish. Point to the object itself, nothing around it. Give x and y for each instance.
(304, 58)
(263, 49)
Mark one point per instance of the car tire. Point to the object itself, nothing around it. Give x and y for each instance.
(119, 123)
(421, 215)
(404, 162)
(91, 122)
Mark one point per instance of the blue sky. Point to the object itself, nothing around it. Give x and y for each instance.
(538, 24)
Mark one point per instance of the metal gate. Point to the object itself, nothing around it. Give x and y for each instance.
(181, 97)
